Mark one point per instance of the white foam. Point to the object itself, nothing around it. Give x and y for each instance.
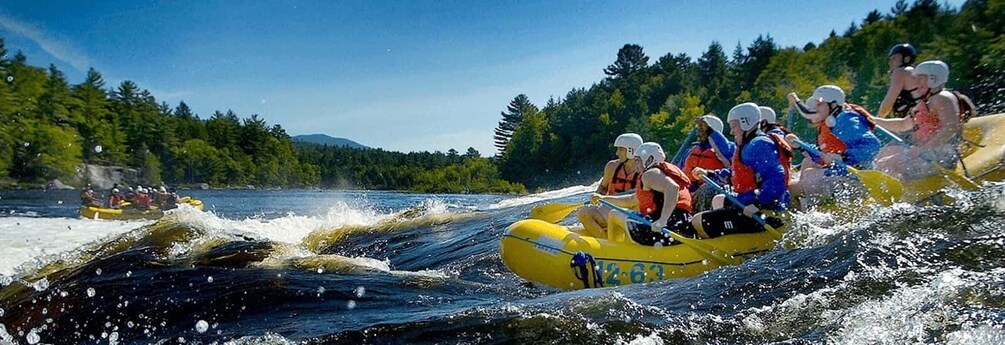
(651, 339)
(554, 194)
(35, 241)
(289, 229)
(908, 315)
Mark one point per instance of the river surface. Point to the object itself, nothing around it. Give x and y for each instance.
(328, 267)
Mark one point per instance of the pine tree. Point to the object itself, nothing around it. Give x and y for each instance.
(630, 60)
(518, 108)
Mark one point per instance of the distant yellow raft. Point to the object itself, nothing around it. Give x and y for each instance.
(131, 213)
(983, 152)
(543, 252)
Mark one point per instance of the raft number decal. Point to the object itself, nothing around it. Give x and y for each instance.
(638, 273)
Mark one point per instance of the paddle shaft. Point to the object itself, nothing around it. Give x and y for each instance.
(704, 249)
(683, 146)
(732, 198)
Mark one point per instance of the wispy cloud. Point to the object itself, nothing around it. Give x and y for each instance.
(52, 45)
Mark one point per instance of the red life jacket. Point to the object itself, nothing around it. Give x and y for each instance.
(143, 199)
(707, 159)
(829, 143)
(651, 201)
(623, 182)
(926, 124)
(114, 200)
(744, 178)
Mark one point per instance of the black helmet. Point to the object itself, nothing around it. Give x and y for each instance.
(907, 51)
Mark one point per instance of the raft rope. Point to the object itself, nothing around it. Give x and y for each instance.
(583, 263)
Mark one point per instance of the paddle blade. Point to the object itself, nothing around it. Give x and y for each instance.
(553, 213)
(956, 177)
(882, 187)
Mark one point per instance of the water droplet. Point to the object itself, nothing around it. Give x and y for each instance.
(1, 312)
(351, 304)
(129, 274)
(321, 270)
(210, 279)
(41, 284)
(98, 149)
(63, 294)
(10, 79)
(91, 292)
(113, 338)
(26, 144)
(32, 337)
(130, 324)
(97, 271)
(45, 311)
(201, 326)
(321, 290)
(360, 291)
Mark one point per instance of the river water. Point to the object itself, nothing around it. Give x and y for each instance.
(326, 267)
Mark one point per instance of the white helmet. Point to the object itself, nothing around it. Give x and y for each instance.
(748, 114)
(651, 154)
(115, 190)
(827, 94)
(630, 141)
(937, 72)
(164, 189)
(768, 115)
(712, 121)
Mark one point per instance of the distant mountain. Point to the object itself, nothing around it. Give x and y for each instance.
(322, 139)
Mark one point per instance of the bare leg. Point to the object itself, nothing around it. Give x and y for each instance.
(593, 221)
(718, 201)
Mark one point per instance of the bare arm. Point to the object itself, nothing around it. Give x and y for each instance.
(608, 175)
(896, 125)
(896, 85)
(659, 182)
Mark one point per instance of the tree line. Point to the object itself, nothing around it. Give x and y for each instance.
(569, 138)
(50, 129)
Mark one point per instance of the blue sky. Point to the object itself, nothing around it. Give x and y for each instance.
(401, 75)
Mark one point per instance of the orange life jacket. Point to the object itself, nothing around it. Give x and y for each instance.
(623, 182)
(707, 159)
(651, 202)
(744, 178)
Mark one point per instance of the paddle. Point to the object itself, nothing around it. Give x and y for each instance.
(757, 216)
(882, 187)
(702, 248)
(953, 176)
(555, 212)
(680, 152)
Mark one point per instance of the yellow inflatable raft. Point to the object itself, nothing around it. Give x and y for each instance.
(567, 258)
(91, 212)
(983, 152)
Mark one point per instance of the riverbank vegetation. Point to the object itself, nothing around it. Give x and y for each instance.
(49, 129)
